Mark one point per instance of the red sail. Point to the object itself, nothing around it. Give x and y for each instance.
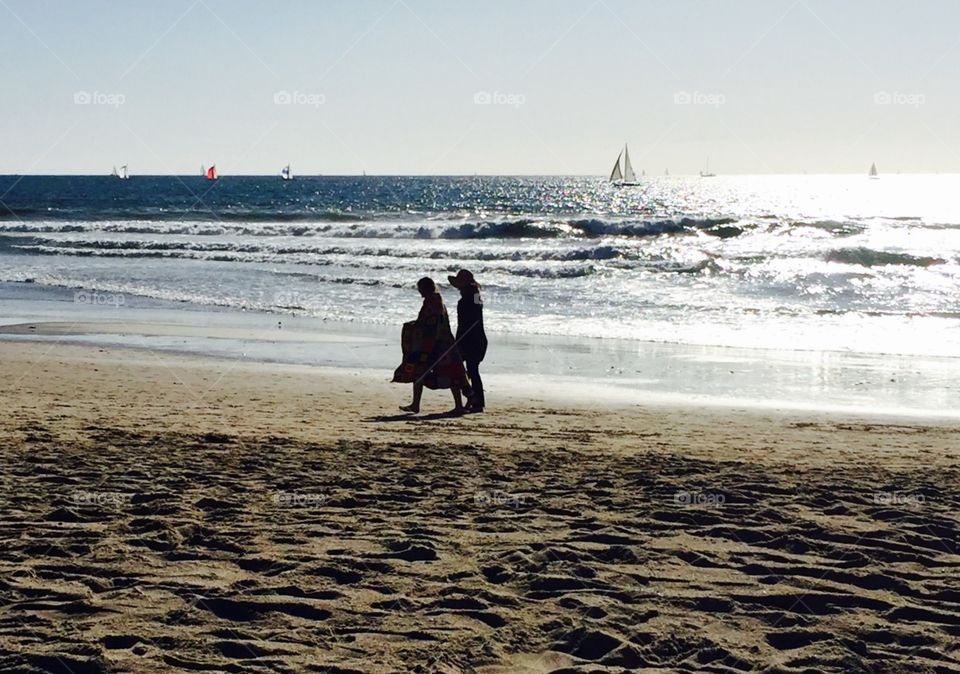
(212, 173)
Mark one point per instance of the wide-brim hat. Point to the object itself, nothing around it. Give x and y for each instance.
(462, 279)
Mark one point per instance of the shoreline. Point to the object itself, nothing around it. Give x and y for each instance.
(370, 396)
(564, 369)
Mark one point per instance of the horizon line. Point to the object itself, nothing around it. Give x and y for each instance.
(457, 175)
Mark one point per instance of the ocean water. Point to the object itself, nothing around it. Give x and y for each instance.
(821, 263)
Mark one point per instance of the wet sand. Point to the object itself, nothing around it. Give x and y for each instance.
(168, 513)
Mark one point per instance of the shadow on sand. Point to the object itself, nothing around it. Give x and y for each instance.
(406, 416)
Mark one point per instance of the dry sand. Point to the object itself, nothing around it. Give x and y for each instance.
(166, 513)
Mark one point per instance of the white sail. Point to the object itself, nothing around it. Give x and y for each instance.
(707, 174)
(615, 175)
(628, 174)
(285, 172)
(123, 172)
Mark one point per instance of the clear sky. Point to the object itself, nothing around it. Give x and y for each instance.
(392, 86)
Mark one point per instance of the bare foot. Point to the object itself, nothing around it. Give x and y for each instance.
(410, 408)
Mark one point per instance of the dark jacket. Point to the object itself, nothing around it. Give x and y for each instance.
(471, 337)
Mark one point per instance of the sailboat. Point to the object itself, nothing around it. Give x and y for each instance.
(706, 173)
(873, 172)
(122, 175)
(210, 173)
(285, 173)
(627, 178)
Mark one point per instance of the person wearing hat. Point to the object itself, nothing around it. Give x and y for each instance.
(471, 338)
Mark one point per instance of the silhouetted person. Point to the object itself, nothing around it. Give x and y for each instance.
(471, 338)
(430, 356)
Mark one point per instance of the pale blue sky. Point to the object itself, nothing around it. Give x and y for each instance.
(388, 86)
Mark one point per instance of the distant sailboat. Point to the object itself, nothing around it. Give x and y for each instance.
(873, 172)
(285, 173)
(124, 175)
(113, 173)
(211, 173)
(706, 173)
(626, 178)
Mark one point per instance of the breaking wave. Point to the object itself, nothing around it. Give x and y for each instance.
(868, 257)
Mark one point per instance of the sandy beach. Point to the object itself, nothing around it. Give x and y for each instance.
(172, 513)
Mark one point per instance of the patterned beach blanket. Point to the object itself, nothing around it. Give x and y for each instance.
(429, 355)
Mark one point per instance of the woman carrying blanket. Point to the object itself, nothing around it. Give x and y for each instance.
(430, 357)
